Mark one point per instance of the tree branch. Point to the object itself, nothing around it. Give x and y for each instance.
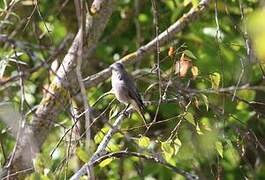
(124, 154)
(102, 146)
(163, 38)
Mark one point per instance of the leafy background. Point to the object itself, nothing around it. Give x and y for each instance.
(207, 128)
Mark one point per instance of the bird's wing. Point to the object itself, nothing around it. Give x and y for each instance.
(133, 92)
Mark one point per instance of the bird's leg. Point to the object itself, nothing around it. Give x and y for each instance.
(125, 109)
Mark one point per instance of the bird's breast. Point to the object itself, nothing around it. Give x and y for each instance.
(119, 89)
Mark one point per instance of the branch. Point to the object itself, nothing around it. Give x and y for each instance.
(102, 146)
(123, 154)
(162, 39)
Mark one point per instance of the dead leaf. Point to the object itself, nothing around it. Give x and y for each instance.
(183, 65)
(170, 52)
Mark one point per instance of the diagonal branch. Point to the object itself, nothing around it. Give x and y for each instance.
(102, 146)
(162, 39)
(124, 154)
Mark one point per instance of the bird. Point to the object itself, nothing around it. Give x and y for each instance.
(124, 89)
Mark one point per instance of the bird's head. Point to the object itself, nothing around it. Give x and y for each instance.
(117, 67)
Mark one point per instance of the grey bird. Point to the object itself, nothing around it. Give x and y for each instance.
(125, 90)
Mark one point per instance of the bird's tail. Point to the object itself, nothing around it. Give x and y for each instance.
(140, 110)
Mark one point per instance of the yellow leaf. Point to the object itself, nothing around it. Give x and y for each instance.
(105, 162)
(215, 80)
(143, 142)
(195, 71)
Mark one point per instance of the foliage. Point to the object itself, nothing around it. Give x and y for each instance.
(210, 121)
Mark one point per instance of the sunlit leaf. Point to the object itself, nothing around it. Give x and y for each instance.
(100, 135)
(241, 106)
(215, 80)
(205, 101)
(189, 117)
(105, 162)
(82, 154)
(189, 54)
(177, 144)
(246, 94)
(198, 130)
(195, 71)
(204, 122)
(144, 141)
(143, 18)
(112, 146)
(167, 149)
(219, 148)
(187, 2)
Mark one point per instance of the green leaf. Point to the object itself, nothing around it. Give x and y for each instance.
(241, 105)
(219, 148)
(204, 122)
(248, 95)
(82, 154)
(189, 54)
(100, 135)
(205, 100)
(143, 142)
(198, 129)
(29, 98)
(143, 17)
(186, 2)
(215, 80)
(105, 162)
(112, 146)
(177, 145)
(167, 149)
(195, 3)
(189, 117)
